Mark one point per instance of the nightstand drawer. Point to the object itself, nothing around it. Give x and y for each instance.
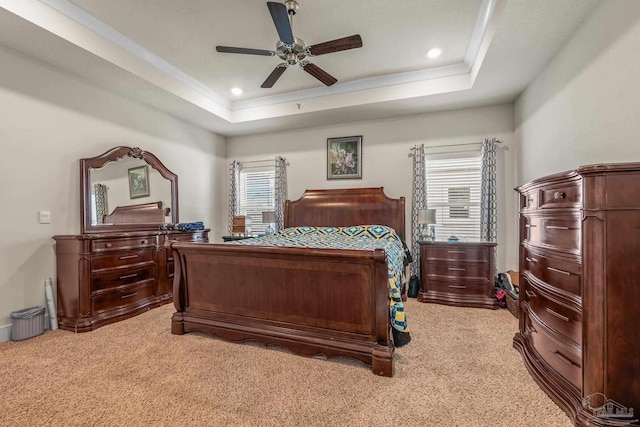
(459, 287)
(458, 269)
(456, 252)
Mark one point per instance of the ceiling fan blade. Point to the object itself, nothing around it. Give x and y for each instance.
(281, 20)
(273, 77)
(319, 74)
(337, 45)
(247, 51)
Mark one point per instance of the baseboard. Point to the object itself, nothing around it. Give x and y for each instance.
(5, 333)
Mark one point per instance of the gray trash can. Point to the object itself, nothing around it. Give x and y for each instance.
(27, 323)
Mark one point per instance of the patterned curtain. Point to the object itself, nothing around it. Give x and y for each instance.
(488, 202)
(419, 195)
(102, 208)
(234, 182)
(280, 191)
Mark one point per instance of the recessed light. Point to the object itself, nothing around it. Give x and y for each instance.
(434, 52)
(236, 91)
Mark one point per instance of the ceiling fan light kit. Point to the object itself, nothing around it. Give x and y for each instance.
(293, 50)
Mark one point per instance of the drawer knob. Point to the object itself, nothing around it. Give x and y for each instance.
(144, 242)
(128, 276)
(108, 245)
(128, 295)
(530, 259)
(559, 195)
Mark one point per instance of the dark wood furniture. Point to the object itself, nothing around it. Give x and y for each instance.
(579, 270)
(459, 274)
(137, 214)
(116, 270)
(312, 301)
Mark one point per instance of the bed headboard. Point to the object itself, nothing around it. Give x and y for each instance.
(344, 207)
(137, 214)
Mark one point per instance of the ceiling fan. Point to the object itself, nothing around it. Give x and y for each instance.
(293, 50)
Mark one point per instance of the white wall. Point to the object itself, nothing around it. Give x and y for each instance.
(386, 157)
(44, 131)
(585, 107)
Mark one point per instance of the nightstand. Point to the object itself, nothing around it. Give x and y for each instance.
(459, 274)
(232, 238)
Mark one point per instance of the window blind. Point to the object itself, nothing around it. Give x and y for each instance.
(257, 194)
(453, 190)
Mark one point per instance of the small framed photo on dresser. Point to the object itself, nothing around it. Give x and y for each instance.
(344, 157)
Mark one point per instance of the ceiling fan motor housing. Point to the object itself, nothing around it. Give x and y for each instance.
(292, 54)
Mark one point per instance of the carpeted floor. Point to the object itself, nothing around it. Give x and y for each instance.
(459, 370)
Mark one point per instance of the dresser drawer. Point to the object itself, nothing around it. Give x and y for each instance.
(561, 196)
(561, 318)
(120, 259)
(565, 360)
(458, 269)
(122, 297)
(110, 279)
(558, 273)
(558, 232)
(132, 243)
(459, 287)
(454, 252)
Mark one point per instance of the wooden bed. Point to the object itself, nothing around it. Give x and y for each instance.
(312, 301)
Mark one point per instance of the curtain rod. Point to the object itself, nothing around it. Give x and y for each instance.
(260, 161)
(498, 141)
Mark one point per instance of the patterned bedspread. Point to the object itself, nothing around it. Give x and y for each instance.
(361, 237)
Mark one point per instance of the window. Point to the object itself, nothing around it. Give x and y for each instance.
(256, 194)
(453, 190)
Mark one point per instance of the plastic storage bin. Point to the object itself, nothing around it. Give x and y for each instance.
(27, 323)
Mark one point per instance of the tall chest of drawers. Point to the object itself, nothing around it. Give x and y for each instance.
(580, 289)
(106, 277)
(458, 274)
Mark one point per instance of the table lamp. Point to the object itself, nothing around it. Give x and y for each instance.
(427, 217)
(269, 217)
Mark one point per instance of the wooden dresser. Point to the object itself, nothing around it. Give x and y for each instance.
(459, 274)
(580, 292)
(106, 277)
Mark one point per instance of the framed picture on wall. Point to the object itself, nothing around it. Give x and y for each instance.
(344, 157)
(139, 182)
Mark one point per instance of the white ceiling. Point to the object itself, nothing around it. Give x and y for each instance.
(162, 53)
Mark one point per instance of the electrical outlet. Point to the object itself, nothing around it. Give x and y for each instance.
(45, 217)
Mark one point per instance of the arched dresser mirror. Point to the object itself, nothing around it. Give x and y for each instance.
(126, 189)
(119, 266)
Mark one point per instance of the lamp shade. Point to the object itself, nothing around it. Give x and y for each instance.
(427, 216)
(268, 217)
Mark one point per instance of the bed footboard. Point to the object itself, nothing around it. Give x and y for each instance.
(312, 301)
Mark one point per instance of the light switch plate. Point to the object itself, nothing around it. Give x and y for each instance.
(45, 217)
